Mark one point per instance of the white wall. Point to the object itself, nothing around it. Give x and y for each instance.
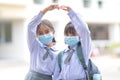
(114, 33)
(14, 1)
(19, 38)
(14, 49)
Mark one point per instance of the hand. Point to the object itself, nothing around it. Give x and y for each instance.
(52, 7)
(49, 8)
(65, 8)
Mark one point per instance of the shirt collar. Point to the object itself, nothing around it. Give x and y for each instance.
(53, 48)
(68, 49)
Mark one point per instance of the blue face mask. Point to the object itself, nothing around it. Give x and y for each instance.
(71, 41)
(46, 39)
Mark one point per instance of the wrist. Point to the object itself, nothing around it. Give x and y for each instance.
(69, 9)
(44, 10)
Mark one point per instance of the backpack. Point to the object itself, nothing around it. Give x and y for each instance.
(90, 70)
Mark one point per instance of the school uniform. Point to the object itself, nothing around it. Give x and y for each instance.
(40, 68)
(73, 69)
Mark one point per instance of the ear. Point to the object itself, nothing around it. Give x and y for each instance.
(79, 37)
(53, 32)
(37, 35)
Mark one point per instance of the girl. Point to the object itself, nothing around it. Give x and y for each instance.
(42, 49)
(76, 34)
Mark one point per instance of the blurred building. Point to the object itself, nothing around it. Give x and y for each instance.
(12, 20)
(102, 17)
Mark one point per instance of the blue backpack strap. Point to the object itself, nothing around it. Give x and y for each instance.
(82, 60)
(60, 60)
(91, 69)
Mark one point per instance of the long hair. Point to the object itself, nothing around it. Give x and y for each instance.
(48, 24)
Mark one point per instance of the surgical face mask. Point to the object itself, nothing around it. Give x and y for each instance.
(71, 41)
(46, 39)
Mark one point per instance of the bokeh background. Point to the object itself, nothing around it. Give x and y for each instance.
(102, 16)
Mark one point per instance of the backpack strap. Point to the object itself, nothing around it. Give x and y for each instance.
(81, 58)
(60, 60)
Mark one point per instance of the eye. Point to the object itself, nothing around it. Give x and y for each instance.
(47, 31)
(40, 33)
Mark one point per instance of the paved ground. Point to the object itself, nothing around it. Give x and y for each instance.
(109, 66)
(16, 70)
(13, 70)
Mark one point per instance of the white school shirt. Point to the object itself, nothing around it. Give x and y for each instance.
(74, 70)
(37, 50)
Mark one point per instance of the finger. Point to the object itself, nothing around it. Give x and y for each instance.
(64, 7)
(51, 7)
(56, 7)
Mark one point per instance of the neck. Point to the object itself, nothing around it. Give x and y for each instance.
(70, 47)
(50, 45)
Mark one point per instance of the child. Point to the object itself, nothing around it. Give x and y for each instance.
(42, 49)
(76, 34)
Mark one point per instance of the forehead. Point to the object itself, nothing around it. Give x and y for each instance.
(44, 27)
(70, 34)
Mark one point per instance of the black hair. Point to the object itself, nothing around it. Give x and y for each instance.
(69, 29)
(48, 24)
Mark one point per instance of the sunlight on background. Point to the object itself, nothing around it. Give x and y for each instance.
(103, 20)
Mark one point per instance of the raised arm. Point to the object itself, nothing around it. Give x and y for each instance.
(82, 29)
(32, 26)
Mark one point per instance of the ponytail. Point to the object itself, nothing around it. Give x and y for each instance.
(53, 39)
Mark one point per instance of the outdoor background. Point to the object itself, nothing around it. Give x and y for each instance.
(102, 16)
